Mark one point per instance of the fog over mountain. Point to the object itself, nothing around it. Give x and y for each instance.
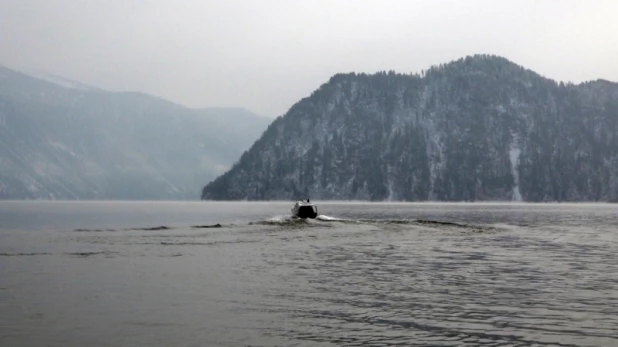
(478, 128)
(266, 55)
(64, 140)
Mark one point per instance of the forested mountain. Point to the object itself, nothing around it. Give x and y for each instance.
(63, 140)
(479, 128)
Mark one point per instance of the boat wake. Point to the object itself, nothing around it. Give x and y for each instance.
(319, 221)
(431, 224)
(324, 220)
(157, 228)
(282, 221)
(329, 218)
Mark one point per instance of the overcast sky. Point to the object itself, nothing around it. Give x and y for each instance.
(267, 54)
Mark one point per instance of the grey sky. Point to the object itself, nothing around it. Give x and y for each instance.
(267, 54)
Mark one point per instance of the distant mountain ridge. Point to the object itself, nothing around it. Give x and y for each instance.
(478, 128)
(70, 141)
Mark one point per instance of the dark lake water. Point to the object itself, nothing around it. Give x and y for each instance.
(362, 274)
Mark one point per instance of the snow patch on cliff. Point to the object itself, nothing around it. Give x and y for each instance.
(514, 154)
(59, 81)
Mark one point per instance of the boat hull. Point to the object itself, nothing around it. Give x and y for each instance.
(304, 210)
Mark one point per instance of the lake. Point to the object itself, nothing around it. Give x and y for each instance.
(361, 274)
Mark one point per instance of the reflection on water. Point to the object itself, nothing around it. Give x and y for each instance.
(365, 275)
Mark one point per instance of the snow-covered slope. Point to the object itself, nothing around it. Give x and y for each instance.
(63, 142)
(60, 81)
(479, 128)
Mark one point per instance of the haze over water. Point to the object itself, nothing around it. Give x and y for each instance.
(362, 274)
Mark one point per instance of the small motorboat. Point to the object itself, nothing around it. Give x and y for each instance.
(304, 209)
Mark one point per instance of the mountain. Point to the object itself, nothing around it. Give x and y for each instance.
(479, 128)
(64, 140)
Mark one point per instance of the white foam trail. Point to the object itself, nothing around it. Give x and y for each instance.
(328, 218)
(506, 227)
(279, 218)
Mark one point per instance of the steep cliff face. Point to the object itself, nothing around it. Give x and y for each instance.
(480, 128)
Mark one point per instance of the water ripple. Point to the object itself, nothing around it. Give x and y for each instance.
(491, 290)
